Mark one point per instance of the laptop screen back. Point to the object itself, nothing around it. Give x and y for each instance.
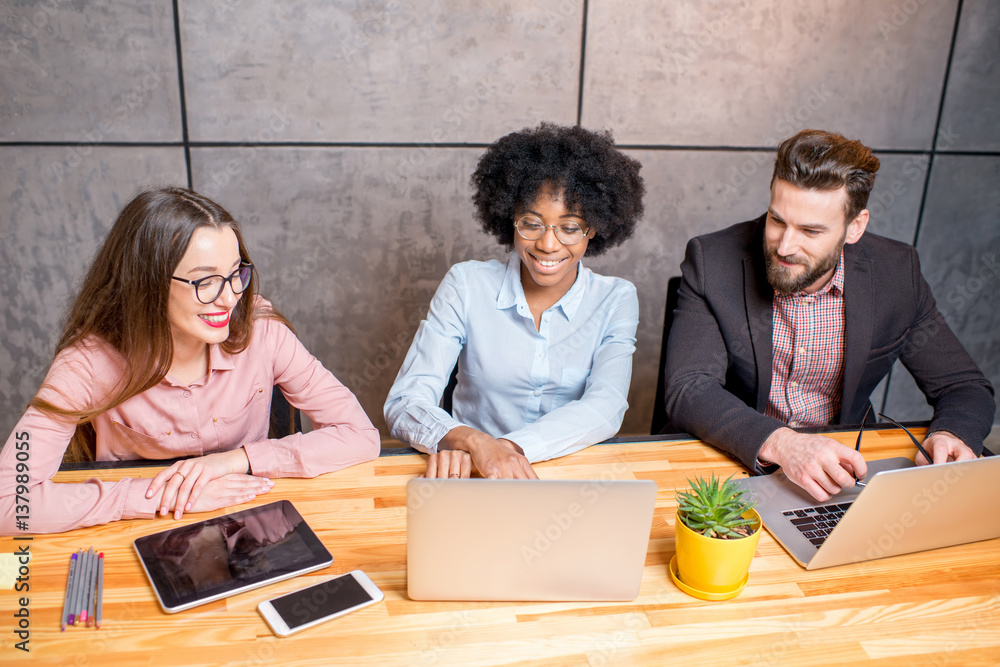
(527, 540)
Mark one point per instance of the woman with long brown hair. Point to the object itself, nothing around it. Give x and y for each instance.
(168, 352)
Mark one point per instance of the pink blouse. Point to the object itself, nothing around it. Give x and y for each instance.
(227, 409)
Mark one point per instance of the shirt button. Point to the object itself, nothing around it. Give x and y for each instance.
(793, 424)
(187, 394)
(194, 435)
(793, 383)
(802, 350)
(537, 393)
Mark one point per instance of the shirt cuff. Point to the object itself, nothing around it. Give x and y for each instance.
(136, 505)
(263, 461)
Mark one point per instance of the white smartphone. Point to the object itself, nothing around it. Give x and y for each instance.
(326, 600)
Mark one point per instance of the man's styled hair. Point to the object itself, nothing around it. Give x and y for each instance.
(818, 160)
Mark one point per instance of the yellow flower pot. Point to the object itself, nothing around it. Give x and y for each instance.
(709, 568)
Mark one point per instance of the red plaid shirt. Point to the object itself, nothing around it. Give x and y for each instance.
(807, 341)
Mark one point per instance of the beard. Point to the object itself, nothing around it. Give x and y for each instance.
(788, 281)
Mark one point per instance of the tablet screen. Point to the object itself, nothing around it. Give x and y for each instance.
(212, 559)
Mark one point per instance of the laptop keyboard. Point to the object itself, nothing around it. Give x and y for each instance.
(815, 523)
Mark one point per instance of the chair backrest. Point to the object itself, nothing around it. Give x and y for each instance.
(285, 420)
(449, 390)
(660, 421)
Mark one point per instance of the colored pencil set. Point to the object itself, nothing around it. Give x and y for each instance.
(84, 589)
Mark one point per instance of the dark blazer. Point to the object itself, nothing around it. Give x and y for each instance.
(718, 374)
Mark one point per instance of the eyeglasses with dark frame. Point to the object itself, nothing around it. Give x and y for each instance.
(532, 228)
(916, 443)
(212, 286)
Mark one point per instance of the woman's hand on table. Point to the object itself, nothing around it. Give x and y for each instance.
(493, 458)
(449, 463)
(232, 489)
(184, 482)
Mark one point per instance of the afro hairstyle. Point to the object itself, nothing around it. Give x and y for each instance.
(596, 180)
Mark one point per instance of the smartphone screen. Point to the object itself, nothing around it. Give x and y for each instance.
(319, 601)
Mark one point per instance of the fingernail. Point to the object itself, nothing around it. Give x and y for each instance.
(163, 511)
(252, 496)
(187, 507)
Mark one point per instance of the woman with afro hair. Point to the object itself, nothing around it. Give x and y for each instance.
(543, 345)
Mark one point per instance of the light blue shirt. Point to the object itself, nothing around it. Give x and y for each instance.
(552, 391)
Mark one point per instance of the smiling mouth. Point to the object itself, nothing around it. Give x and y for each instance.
(548, 263)
(217, 320)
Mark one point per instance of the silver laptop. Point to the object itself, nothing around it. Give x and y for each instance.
(903, 508)
(527, 540)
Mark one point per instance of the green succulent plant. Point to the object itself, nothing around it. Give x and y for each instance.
(715, 508)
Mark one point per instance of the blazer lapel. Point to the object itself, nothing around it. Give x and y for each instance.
(758, 297)
(859, 306)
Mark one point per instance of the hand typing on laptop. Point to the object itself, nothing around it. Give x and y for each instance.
(943, 447)
(820, 465)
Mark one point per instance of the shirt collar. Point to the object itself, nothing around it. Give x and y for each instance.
(512, 292)
(218, 360)
(834, 286)
(836, 283)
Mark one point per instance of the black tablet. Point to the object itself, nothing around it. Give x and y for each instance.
(219, 557)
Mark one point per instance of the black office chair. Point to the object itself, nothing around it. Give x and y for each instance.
(660, 421)
(449, 390)
(285, 419)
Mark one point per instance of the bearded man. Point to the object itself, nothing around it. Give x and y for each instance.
(792, 319)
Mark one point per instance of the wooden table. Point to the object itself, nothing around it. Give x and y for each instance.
(935, 608)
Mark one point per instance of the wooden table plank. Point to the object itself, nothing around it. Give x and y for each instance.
(938, 607)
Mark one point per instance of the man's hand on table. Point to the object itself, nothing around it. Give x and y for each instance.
(820, 465)
(944, 447)
(465, 447)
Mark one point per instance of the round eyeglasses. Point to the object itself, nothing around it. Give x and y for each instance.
(209, 288)
(531, 228)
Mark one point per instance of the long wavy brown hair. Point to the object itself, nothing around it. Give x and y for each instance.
(124, 296)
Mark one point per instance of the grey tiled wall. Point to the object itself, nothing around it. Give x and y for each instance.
(343, 136)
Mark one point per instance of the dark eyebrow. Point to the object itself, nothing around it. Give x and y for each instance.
(199, 269)
(568, 215)
(807, 226)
